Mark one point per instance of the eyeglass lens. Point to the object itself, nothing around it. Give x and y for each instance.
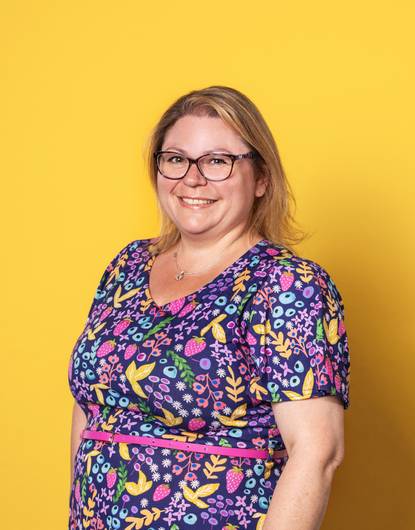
(213, 166)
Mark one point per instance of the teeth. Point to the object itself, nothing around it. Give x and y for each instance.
(196, 201)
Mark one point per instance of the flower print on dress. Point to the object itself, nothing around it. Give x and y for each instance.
(297, 335)
(204, 368)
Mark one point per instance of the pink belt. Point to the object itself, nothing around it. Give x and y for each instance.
(174, 444)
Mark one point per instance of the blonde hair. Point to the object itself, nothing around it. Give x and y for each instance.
(271, 214)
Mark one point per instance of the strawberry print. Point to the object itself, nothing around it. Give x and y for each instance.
(194, 345)
(161, 491)
(196, 423)
(121, 326)
(286, 280)
(106, 348)
(202, 369)
(176, 305)
(234, 477)
(188, 308)
(130, 351)
(111, 477)
(105, 314)
(78, 491)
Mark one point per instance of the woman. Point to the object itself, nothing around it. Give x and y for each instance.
(194, 375)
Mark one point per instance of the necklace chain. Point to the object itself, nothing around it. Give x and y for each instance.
(181, 273)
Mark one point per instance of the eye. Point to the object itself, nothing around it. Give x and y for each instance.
(216, 160)
(173, 159)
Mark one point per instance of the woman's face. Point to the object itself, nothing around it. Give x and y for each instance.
(194, 136)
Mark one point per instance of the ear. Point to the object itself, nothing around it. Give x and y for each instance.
(261, 186)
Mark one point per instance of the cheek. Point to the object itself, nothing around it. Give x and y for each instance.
(164, 188)
(241, 197)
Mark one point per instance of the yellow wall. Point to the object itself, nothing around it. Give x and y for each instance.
(82, 83)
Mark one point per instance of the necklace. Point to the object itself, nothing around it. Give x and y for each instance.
(181, 273)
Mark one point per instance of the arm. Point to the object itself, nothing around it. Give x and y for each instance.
(79, 421)
(313, 433)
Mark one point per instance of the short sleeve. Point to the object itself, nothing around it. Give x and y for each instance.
(108, 279)
(297, 337)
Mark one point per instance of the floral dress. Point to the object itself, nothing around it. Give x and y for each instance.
(204, 368)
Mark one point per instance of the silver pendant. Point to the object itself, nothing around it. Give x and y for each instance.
(180, 275)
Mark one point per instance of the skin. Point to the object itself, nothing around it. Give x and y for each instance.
(313, 433)
(221, 233)
(313, 429)
(79, 422)
(221, 229)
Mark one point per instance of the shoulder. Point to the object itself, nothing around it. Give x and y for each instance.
(285, 276)
(278, 257)
(135, 245)
(129, 252)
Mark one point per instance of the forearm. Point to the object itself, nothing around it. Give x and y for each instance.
(301, 497)
(78, 424)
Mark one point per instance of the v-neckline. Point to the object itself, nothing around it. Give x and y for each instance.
(194, 294)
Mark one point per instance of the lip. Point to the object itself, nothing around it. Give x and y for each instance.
(195, 206)
(199, 198)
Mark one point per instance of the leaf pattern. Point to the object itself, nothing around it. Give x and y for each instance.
(139, 487)
(149, 516)
(119, 298)
(122, 479)
(186, 372)
(133, 375)
(169, 418)
(307, 388)
(202, 491)
(207, 368)
(232, 420)
(282, 345)
(214, 466)
(305, 272)
(236, 387)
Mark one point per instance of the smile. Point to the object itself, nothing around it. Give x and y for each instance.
(195, 203)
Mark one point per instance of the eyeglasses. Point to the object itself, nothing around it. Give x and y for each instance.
(212, 166)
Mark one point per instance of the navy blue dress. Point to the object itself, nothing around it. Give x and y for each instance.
(203, 368)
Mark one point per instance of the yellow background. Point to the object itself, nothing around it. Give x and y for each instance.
(81, 85)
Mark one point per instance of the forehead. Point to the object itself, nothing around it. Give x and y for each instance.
(195, 135)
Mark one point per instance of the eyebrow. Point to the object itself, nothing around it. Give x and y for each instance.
(213, 150)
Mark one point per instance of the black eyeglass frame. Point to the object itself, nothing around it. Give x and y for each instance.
(250, 154)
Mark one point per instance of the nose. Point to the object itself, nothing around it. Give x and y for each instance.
(193, 175)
